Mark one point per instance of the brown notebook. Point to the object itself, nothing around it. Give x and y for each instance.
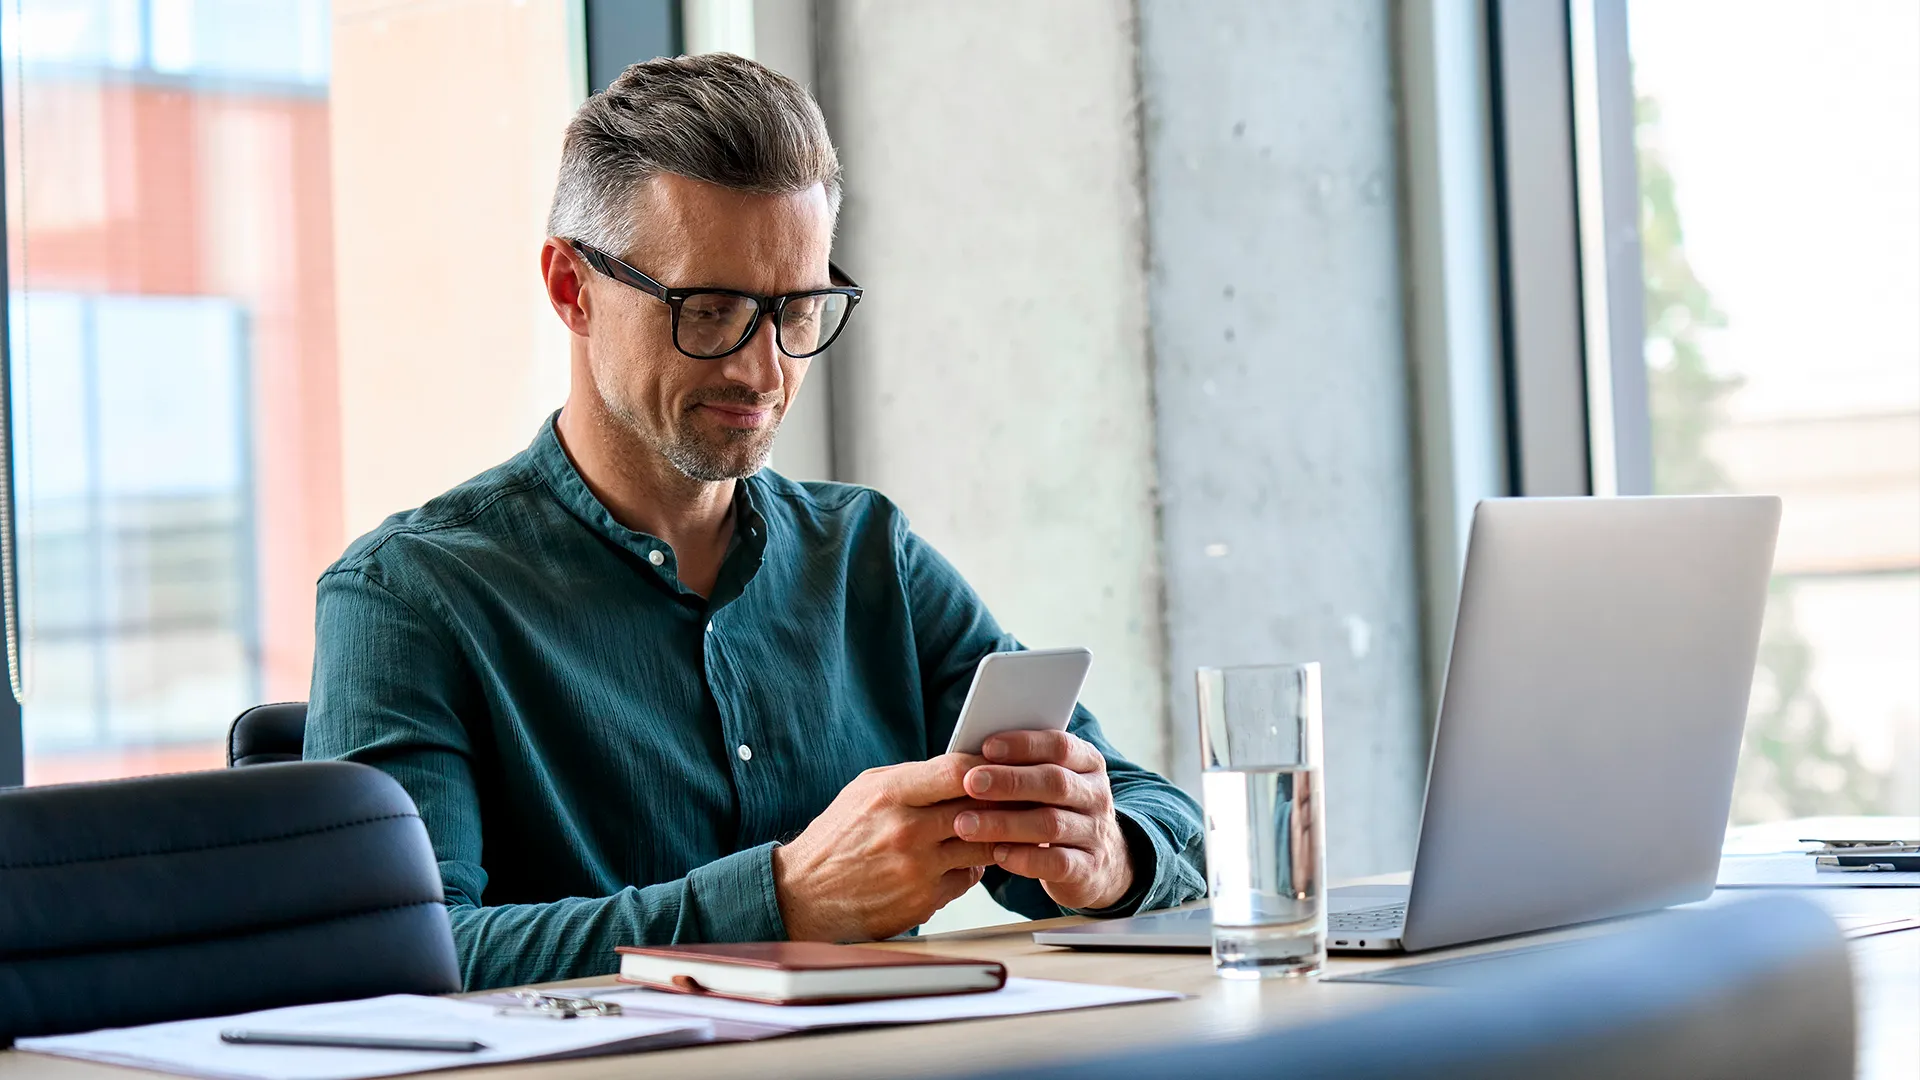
(804, 972)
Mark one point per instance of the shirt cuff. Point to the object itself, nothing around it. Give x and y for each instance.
(1145, 856)
(735, 897)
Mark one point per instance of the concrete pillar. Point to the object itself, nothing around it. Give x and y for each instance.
(995, 380)
(1281, 382)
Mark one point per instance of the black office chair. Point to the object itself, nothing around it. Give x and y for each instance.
(266, 734)
(209, 893)
(1756, 990)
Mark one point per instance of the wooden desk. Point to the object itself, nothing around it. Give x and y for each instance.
(1887, 976)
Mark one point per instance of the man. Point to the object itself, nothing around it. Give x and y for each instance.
(643, 690)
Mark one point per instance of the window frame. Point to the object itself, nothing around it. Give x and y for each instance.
(621, 32)
(12, 733)
(1566, 189)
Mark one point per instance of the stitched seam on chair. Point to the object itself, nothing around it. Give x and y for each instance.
(237, 934)
(207, 847)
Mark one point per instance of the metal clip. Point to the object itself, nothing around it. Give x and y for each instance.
(558, 1006)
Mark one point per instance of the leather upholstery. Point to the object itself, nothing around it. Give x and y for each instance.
(266, 734)
(202, 894)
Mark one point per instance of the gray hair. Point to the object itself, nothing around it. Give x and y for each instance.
(715, 117)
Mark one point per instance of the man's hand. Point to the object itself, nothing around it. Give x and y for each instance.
(1071, 840)
(882, 858)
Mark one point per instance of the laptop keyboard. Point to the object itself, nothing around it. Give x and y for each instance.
(1382, 918)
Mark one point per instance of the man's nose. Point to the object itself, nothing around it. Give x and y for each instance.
(757, 364)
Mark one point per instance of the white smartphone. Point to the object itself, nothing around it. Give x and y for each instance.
(1033, 690)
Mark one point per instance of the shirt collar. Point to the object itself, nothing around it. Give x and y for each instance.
(745, 552)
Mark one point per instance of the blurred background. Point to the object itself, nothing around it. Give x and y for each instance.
(1193, 330)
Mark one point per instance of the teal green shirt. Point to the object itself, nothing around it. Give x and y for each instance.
(603, 757)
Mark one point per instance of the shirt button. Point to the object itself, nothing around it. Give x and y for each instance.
(709, 626)
(745, 752)
(655, 557)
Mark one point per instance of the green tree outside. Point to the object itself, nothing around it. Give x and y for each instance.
(1792, 763)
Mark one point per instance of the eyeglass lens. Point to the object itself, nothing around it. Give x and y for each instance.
(713, 324)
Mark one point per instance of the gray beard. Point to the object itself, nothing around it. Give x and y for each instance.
(701, 461)
(698, 460)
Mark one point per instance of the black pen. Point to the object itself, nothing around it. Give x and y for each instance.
(349, 1042)
(1849, 861)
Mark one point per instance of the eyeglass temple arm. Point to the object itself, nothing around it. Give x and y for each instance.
(605, 263)
(602, 261)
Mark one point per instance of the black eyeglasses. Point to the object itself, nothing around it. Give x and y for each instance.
(711, 323)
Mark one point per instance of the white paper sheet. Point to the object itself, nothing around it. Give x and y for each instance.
(1018, 997)
(193, 1047)
(1797, 871)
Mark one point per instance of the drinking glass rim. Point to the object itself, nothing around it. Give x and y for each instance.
(1281, 666)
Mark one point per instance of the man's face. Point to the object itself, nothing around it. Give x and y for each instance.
(712, 419)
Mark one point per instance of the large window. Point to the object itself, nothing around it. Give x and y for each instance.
(257, 302)
(1779, 161)
(174, 395)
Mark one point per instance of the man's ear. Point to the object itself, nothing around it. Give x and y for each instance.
(566, 273)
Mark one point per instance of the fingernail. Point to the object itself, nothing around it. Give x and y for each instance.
(994, 749)
(1000, 852)
(966, 823)
(982, 780)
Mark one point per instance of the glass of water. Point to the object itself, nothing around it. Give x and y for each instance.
(1266, 836)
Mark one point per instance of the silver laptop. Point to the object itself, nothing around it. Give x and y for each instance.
(1583, 760)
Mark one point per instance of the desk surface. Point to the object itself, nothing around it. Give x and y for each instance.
(1887, 975)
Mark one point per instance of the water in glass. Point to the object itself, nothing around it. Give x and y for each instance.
(1265, 860)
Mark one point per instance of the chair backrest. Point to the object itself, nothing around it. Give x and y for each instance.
(203, 894)
(267, 734)
(1758, 989)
